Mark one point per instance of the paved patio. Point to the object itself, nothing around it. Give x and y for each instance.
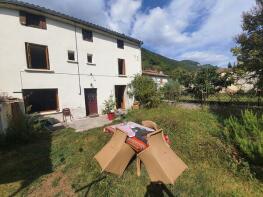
(89, 123)
(79, 125)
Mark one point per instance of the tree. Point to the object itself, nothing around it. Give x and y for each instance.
(184, 77)
(249, 49)
(229, 65)
(172, 90)
(145, 91)
(208, 81)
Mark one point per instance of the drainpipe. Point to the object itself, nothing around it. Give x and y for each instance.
(77, 56)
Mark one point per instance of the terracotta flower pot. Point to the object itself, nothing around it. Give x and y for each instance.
(111, 115)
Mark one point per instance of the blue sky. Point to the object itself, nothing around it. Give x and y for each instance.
(200, 30)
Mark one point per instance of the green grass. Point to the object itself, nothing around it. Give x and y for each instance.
(65, 160)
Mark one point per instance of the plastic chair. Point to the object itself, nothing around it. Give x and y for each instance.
(161, 163)
(116, 154)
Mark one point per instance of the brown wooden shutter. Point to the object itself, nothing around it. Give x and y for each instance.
(22, 17)
(28, 56)
(124, 69)
(47, 59)
(43, 23)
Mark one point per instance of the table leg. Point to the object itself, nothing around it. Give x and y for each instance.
(138, 164)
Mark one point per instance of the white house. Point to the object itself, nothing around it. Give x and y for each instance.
(158, 77)
(54, 61)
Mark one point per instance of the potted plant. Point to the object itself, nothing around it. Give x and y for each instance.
(109, 108)
(136, 105)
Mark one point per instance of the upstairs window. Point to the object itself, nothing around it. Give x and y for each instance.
(37, 56)
(87, 35)
(90, 58)
(121, 67)
(33, 20)
(120, 44)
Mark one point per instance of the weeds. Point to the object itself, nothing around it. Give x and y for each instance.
(247, 135)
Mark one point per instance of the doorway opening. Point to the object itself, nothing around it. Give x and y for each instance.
(40, 100)
(91, 102)
(119, 96)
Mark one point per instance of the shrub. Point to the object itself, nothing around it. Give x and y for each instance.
(247, 135)
(172, 90)
(145, 91)
(22, 129)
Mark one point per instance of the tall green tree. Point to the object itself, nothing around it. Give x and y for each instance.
(249, 49)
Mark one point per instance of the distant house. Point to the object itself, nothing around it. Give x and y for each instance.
(158, 77)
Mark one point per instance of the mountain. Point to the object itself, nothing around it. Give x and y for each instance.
(151, 60)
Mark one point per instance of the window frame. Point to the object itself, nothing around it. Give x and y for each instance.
(85, 31)
(28, 56)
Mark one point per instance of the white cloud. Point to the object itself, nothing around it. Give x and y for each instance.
(164, 29)
(122, 14)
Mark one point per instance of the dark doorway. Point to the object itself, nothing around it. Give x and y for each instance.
(40, 100)
(91, 101)
(119, 96)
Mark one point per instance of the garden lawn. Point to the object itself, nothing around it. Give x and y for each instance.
(62, 164)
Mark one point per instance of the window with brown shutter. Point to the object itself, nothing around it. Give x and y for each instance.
(37, 56)
(22, 18)
(33, 20)
(121, 67)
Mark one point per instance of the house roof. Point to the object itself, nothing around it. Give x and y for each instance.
(154, 73)
(69, 18)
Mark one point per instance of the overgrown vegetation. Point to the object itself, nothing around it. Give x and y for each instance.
(145, 91)
(247, 135)
(22, 129)
(63, 163)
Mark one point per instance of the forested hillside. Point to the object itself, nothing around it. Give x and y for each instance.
(151, 60)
